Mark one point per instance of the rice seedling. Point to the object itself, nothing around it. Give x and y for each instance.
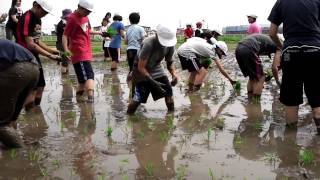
(181, 173)
(220, 123)
(13, 153)
(109, 131)
(149, 169)
(306, 157)
(271, 158)
(211, 174)
(56, 163)
(164, 136)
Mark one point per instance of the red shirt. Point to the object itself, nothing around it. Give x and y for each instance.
(78, 32)
(28, 25)
(188, 32)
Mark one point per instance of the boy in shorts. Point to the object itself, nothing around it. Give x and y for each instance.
(77, 34)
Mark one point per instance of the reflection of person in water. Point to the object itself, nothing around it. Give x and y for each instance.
(194, 113)
(117, 105)
(86, 128)
(66, 103)
(247, 141)
(150, 147)
(36, 126)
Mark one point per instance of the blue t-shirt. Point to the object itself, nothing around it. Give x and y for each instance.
(116, 26)
(135, 35)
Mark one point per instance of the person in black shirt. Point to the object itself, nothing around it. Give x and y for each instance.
(60, 30)
(15, 13)
(300, 56)
(19, 73)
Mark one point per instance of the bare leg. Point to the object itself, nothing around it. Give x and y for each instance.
(169, 103)
(89, 87)
(291, 115)
(39, 94)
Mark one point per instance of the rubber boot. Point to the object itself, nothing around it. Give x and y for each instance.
(132, 107)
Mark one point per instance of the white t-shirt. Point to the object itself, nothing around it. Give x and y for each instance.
(197, 47)
(107, 40)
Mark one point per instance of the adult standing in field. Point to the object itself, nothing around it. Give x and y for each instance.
(300, 55)
(254, 27)
(198, 30)
(148, 74)
(116, 31)
(60, 29)
(19, 74)
(77, 42)
(188, 32)
(247, 54)
(134, 37)
(196, 55)
(28, 35)
(15, 13)
(106, 40)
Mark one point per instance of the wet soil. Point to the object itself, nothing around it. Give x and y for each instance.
(213, 134)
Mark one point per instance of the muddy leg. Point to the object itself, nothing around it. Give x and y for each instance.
(291, 116)
(132, 107)
(316, 116)
(169, 103)
(38, 98)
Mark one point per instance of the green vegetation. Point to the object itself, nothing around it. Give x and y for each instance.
(149, 168)
(181, 173)
(109, 131)
(211, 174)
(306, 157)
(237, 86)
(271, 157)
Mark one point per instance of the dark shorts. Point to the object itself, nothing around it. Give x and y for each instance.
(131, 56)
(249, 62)
(144, 88)
(83, 71)
(41, 80)
(105, 50)
(300, 71)
(190, 64)
(114, 54)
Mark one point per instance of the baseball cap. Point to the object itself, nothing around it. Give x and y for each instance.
(166, 35)
(86, 4)
(66, 13)
(45, 5)
(252, 15)
(223, 46)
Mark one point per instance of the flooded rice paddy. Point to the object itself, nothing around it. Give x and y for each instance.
(213, 134)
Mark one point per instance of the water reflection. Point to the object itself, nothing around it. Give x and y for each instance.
(117, 106)
(151, 139)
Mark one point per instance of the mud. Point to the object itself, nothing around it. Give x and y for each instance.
(213, 134)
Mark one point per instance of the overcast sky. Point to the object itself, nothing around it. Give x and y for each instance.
(216, 14)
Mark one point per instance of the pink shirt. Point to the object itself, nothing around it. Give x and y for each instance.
(78, 32)
(254, 28)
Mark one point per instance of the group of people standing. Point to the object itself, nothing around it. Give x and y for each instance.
(145, 55)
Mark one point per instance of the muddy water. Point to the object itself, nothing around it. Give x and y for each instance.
(213, 134)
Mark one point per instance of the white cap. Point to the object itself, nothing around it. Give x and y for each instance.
(166, 35)
(45, 5)
(223, 46)
(86, 4)
(218, 31)
(252, 15)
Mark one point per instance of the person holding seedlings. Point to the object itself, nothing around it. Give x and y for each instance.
(300, 55)
(196, 55)
(148, 73)
(134, 37)
(19, 74)
(247, 54)
(254, 27)
(28, 35)
(15, 13)
(77, 42)
(116, 32)
(60, 29)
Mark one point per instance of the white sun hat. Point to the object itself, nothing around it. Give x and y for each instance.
(166, 35)
(218, 31)
(86, 4)
(252, 15)
(223, 46)
(45, 5)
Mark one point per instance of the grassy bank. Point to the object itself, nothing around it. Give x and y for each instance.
(96, 43)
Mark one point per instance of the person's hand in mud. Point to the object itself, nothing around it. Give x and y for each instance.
(55, 57)
(156, 84)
